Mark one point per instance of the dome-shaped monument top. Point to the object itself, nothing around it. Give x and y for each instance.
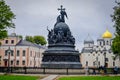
(61, 32)
(61, 27)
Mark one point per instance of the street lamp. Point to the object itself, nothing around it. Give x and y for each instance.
(9, 52)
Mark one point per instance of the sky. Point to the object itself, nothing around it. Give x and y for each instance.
(84, 17)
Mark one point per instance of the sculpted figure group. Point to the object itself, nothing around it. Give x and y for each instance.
(60, 36)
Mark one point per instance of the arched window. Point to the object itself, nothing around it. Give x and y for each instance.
(100, 43)
(113, 63)
(86, 63)
(107, 42)
(103, 42)
(99, 63)
(94, 63)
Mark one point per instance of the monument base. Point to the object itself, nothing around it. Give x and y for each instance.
(61, 65)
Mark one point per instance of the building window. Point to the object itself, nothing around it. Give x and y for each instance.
(24, 52)
(12, 53)
(107, 42)
(113, 63)
(23, 62)
(30, 62)
(31, 53)
(12, 41)
(18, 52)
(0, 60)
(17, 62)
(103, 42)
(99, 63)
(88, 45)
(6, 53)
(86, 63)
(100, 43)
(94, 63)
(35, 54)
(11, 62)
(6, 41)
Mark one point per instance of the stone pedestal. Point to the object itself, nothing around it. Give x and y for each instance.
(61, 56)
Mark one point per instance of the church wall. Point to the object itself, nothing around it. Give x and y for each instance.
(97, 57)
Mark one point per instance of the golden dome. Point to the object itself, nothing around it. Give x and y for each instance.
(107, 34)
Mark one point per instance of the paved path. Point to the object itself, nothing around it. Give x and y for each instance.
(50, 77)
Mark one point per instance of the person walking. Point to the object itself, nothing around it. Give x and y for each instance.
(116, 70)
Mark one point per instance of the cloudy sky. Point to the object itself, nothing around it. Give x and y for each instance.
(85, 17)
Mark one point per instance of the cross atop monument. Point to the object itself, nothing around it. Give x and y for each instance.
(61, 8)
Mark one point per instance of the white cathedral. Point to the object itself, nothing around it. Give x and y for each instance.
(99, 55)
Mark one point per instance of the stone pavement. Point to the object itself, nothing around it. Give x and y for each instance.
(50, 77)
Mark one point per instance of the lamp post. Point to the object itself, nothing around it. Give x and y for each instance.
(9, 52)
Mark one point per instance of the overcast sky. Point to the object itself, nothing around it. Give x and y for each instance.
(85, 17)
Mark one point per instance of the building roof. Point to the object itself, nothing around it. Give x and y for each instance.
(87, 50)
(88, 39)
(27, 43)
(12, 35)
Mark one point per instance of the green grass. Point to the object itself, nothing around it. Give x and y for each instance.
(90, 78)
(15, 77)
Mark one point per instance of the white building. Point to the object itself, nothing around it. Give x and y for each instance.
(98, 55)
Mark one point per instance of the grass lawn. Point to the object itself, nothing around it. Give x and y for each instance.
(90, 78)
(15, 77)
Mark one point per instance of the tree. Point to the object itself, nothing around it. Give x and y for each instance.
(6, 17)
(116, 20)
(39, 40)
(36, 39)
(20, 36)
(116, 46)
(29, 38)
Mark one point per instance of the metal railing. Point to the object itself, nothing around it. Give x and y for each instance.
(39, 70)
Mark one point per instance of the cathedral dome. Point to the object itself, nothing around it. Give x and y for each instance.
(107, 34)
(61, 27)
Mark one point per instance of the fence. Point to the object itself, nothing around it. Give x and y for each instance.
(39, 70)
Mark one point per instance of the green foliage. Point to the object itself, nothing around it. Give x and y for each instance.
(20, 36)
(29, 38)
(116, 18)
(39, 40)
(90, 78)
(13, 77)
(116, 45)
(6, 16)
(36, 39)
(116, 40)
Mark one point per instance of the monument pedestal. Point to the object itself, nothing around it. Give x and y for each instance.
(61, 56)
(61, 65)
